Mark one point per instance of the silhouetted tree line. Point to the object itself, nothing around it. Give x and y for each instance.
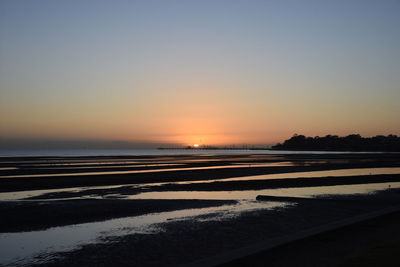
(353, 142)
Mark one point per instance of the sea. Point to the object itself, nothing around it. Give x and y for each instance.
(148, 152)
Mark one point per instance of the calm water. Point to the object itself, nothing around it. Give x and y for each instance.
(307, 192)
(21, 248)
(141, 152)
(311, 174)
(140, 171)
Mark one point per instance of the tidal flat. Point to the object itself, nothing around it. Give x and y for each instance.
(189, 208)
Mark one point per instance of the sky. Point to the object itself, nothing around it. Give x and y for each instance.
(217, 72)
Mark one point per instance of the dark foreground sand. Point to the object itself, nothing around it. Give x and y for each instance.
(19, 216)
(371, 243)
(186, 242)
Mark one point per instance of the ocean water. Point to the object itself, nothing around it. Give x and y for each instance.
(150, 152)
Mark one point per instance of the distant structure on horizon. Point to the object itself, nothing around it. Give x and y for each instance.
(231, 147)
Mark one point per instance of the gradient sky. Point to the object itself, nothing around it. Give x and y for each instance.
(211, 72)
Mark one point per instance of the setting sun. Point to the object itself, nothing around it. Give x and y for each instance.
(181, 118)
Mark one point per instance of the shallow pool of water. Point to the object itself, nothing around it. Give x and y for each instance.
(21, 248)
(108, 167)
(287, 192)
(130, 171)
(309, 174)
(20, 195)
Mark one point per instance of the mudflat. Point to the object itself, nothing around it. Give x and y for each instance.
(192, 243)
(37, 215)
(39, 193)
(15, 172)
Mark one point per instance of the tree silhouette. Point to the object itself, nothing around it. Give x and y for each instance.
(353, 142)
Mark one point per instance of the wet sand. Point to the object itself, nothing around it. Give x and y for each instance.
(301, 163)
(130, 190)
(20, 216)
(192, 243)
(187, 241)
(374, 242)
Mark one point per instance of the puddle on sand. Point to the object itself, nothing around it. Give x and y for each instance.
(95, 163)
(309, 174)
(118, 172)
(132, 171)
(265, 164)
(21, 248)
(252, 194)
(107, 167)
(8, 168)
(21, 195)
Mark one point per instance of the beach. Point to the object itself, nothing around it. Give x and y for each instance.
(182, 209)
(199, 133)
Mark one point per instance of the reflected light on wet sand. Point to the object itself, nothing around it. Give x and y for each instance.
(309, 174)
(252, 194)
(23, 246)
